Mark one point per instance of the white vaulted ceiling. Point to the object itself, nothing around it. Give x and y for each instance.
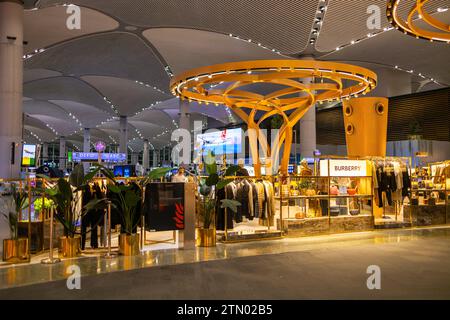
(121, 60)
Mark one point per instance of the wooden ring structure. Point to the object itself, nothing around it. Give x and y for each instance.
(441, 32)
(295, 86)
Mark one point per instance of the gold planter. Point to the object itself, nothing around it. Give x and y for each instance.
(129, 244)
(69, 247)
(205, 237)
(16, 251)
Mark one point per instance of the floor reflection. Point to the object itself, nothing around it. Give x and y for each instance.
(20, 275)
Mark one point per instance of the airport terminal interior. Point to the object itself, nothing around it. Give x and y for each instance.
(247, 149)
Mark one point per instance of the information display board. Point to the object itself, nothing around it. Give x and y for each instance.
(29, 155)
(93, 157)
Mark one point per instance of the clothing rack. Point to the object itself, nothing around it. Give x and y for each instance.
(240, 178)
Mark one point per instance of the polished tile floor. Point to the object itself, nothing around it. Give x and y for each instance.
(36, 273)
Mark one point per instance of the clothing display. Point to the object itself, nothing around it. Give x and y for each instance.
(229, 192)
(391, 179)
(92, 218)
(441, 172)
(256, 198)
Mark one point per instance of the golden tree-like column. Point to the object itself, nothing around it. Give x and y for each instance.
(441, 30)
(233, 84)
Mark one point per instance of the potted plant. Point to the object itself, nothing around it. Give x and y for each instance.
(43, 205)
(15, 249)
(303, 185)
(208, 188)
(415, 130)
(128, 202)
(66, 196)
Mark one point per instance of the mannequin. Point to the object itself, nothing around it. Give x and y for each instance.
(179, 177)
(304, 169)
(242, 172)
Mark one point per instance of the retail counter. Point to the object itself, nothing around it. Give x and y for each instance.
(427, 215)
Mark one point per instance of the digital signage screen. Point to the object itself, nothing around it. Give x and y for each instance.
(29, 155)
(228, 141)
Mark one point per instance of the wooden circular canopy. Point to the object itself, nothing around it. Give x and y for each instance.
(297, 86)
(441, 31)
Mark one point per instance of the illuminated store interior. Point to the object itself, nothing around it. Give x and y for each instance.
(130, 128)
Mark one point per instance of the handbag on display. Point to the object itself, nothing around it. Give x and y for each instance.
(334, 211)
(334, 191)
(414, 201)
(342, 189)
(300, 215)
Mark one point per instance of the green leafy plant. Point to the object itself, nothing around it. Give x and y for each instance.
(155, 174)
(19, 202)
(208, 188)
(126, 199)
(66, 195)
(43, 203)
(304, 184)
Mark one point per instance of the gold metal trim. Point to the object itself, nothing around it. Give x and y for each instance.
(409, 26)
(16, 251)
(69, 247)
(205, 237)
(230, 84)
(129, 244)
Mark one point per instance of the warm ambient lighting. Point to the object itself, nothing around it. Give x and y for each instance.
(441, 30)
(291, 102)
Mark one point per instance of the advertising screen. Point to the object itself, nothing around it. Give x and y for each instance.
(29, 155)
(220, 142)
(164, 206)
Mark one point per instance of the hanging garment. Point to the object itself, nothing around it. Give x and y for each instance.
(245, 196)
(397, 193)
(251, 214)
(92, 218)
(229, 192)
(255, 199)
(261, 200)
(406, 182)
(269, 209)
